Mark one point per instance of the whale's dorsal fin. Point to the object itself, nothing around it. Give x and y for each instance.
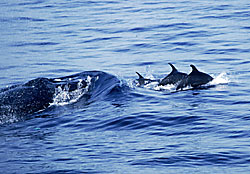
(173, 68)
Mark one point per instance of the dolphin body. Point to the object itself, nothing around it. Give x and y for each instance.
(144, 81)
(195, 79)
(173, 78)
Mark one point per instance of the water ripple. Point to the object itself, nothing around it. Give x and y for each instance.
(196, 159)
(132, 129)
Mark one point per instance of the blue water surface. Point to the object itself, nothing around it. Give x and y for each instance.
(134, 129)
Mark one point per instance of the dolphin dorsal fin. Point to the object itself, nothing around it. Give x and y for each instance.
(194, 69)
(140, 76)
(173, 68)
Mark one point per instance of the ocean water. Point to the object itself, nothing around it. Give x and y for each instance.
(133, 129)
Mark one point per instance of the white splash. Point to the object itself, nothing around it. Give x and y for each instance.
(151, 85)
(63, 96)
(57, 80)
(222, 78)
(169, 87)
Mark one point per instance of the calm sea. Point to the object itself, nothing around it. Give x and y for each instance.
(139, 129)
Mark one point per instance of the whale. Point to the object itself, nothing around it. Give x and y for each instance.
(173, 78)
(195, 79)
(38, 94)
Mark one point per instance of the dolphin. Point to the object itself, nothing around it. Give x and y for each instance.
(194, 79)
(173, 78)
(144, 81)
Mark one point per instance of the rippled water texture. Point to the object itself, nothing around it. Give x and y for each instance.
(131, 129)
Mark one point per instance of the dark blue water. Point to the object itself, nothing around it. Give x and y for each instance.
(133, 129)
